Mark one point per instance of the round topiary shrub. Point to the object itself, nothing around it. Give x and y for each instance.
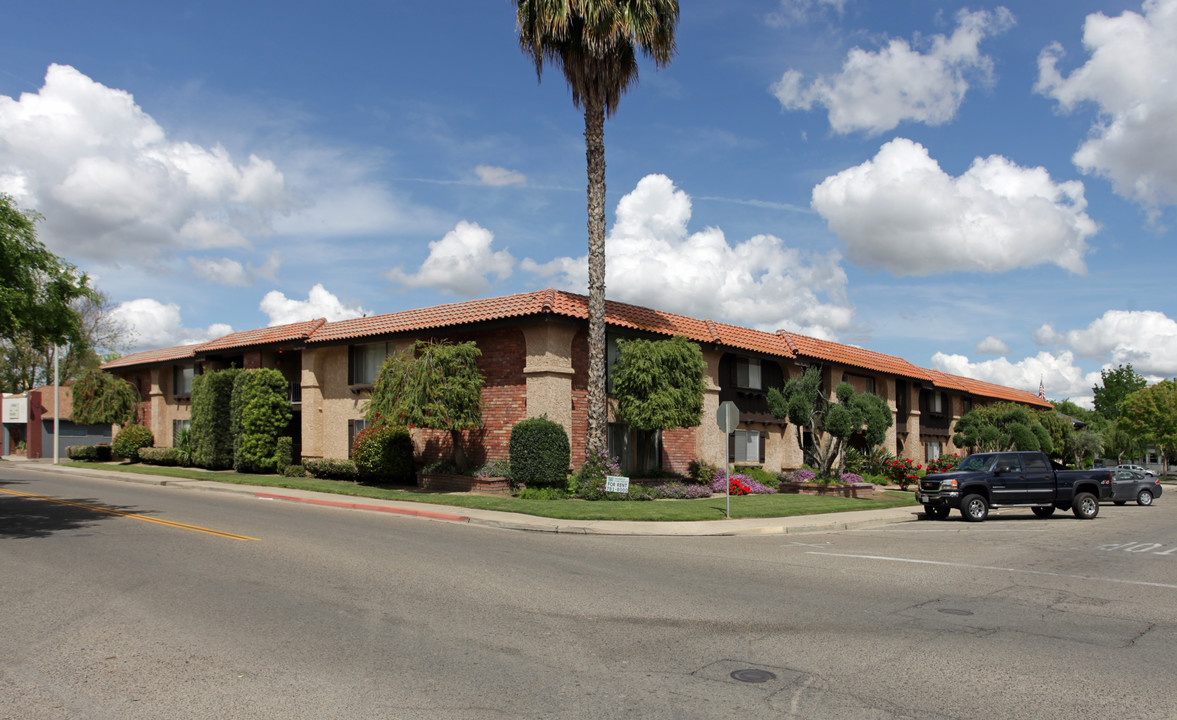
(540, 453)
(127, 443)
(384, 453)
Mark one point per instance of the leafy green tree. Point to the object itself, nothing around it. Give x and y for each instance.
(102, 339)
(1115, 386)
(1151, 415)
(434, 385)
(1060, 428)
(1086, 447)
(1000, 427)
(37, 288)
(832, 424)
(659, 384)
(100, 398)
(1120, 441)
(595, 44)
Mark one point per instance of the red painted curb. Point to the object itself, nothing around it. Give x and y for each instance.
(360, 506)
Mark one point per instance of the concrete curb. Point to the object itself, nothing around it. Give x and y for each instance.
(792, 525)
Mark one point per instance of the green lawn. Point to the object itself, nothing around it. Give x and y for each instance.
(713, 508)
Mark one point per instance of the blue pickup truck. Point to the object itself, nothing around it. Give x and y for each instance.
(1013, 479)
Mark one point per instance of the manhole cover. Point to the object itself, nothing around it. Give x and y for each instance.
(953, 611)
(752, 675)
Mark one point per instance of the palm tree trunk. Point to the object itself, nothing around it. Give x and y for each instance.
(594, 141)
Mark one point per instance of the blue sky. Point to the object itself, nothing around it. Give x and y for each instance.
(987, 190)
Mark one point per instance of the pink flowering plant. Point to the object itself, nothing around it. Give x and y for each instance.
(739, 485)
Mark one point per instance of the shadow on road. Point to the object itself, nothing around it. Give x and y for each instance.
(25, 515)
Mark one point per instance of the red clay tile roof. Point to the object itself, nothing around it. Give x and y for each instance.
(151, 357)
(986, 389)
(571, 305)
(293, 332)
(828, 351)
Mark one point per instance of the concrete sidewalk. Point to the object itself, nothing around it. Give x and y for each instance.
(830, 522)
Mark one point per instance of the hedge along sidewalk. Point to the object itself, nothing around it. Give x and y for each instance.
(713, 508)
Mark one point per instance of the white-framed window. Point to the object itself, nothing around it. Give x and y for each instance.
(936, 402)
(932, 451)
(748, 373)
(182, 380)
(366, 361)
(747, 446)
(353, 428)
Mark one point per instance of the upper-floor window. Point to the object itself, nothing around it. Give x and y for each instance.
(862, 383)
(182, 380)
(365, 362)
(748, 373)
(936, 402)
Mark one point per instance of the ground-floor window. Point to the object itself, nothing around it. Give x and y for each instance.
(747, 446)
(353, 428)
(932, 450)
(637, 451)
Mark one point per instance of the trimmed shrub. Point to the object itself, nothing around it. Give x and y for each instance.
(331, 468)
(384, 453)
(283, 452)
(211, 431)
(129, 440)
(88, 453)
(259, 411)
(540, 453)
(759, 474)
(294, 471)
(159, 456)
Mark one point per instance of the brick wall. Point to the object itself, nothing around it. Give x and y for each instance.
(504, 400)
(580, 360)
(678, 449)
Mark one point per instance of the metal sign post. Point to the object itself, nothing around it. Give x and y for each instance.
(728, 418)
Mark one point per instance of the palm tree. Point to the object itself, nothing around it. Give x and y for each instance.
(595, 43)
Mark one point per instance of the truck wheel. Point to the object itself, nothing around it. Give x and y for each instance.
(1144, 497)
(1044, 512)
(974, 508)
(1085, 506)
(936, 512)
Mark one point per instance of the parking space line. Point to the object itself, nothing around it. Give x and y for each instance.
(991, 567)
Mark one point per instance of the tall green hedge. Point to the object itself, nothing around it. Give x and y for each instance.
(540, 453)
(211, 431)
(259, 414)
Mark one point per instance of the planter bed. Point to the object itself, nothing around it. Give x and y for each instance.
(444, 482)
(855, 490)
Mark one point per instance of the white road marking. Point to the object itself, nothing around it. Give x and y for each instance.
(990, 567)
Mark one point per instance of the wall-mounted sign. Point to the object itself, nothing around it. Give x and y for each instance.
(16, 410)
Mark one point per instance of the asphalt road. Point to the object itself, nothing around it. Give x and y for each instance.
(131, 601)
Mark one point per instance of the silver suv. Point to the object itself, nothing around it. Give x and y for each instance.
(1137, 468)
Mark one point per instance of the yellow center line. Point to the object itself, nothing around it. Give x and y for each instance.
(157, 521)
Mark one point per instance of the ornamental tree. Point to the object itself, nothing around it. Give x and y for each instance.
(259, 413)
(831, 422)
(100, 398)
(659, 383)
(1001, 427)
(435, 385)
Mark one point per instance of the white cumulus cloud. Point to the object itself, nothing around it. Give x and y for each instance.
(320, 303)
(1057, 372)
(799, 12)
(1131, 77)
(1146, 339)
(875, 91)
(901, 212)
(154, 324)
(112, 184)
(992, 346)
(458, 263)
(654, 261)
(226, 271)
